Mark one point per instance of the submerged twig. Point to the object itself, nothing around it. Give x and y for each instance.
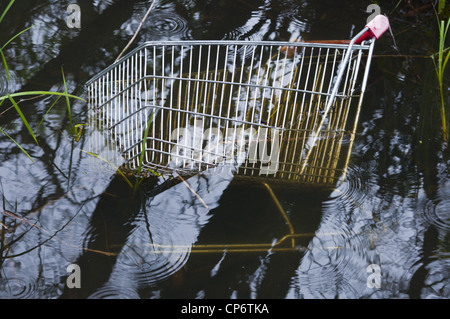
(51, 236)
(137, 31)
(190, 188)
(8, 213)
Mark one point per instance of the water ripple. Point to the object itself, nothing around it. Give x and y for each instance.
(113, 292)
(154, 262)
(336, 263)
(18, 288)
(166, 25)
(353, 190)
(8, 85)
(165, 232)
(437, 210)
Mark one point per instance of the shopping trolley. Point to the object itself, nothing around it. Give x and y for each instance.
(287, 111)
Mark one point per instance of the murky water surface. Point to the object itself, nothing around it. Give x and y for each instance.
(383, 232)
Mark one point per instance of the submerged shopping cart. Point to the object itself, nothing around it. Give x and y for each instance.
(282, 110)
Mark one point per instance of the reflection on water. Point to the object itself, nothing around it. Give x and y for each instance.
(436, 209)
(214, 235)
(9, 84)
(168, 225)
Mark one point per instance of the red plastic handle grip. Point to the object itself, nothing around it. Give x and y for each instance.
(376, 27)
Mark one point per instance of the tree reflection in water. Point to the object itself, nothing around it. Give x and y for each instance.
(392, 210)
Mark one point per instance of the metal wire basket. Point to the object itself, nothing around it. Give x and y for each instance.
(283, 110)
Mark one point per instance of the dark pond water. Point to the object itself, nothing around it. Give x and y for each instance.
(218, 238)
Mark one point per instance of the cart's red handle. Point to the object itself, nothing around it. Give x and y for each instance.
(377, 26)
(375, 29)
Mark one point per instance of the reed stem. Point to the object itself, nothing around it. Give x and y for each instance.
(443, 56)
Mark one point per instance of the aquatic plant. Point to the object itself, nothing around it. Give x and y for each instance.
(440, 64)
(12, 97)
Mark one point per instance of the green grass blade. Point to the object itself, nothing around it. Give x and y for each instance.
(27, 93)
(441, 41)
(6, 10)
(144, 141)
(141, 157)
(18, 34)
(79, 128)
(24, 120)
(4, 62)
(396, 6)
(434, 63)
(45, 115)
(445, 61)
(18, 145)
(112, 165)
(444, 32)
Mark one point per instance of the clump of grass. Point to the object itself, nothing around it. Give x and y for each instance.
(440, 64)
(12, 97)
(112, 165)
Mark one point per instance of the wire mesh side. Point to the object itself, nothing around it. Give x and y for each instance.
(253, 106)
